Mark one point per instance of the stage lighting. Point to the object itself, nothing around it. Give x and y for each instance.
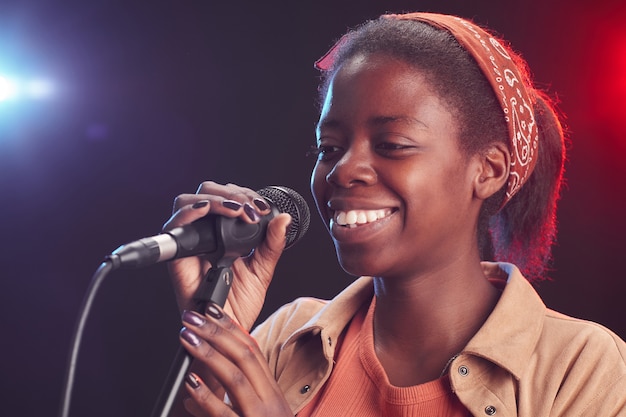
(8, 88)
(19, 89)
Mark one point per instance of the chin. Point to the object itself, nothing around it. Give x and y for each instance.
(357, 265)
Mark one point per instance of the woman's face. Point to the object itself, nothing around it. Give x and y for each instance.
(390, 183)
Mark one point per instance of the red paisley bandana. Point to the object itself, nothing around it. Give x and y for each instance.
(506, 79)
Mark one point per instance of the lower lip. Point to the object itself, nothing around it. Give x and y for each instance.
(360, 233)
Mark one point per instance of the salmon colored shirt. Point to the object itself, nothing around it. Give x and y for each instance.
(526, 360)
(359, 386)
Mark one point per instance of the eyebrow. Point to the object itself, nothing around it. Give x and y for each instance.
(383, 120)
(376, 121)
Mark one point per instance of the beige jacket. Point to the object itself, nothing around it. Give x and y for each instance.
(526, 360)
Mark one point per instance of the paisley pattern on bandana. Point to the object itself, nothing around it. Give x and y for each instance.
(504, 77)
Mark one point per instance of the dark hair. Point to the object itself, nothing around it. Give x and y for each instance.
(523, 231)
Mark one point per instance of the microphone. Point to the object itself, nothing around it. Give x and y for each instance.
(220, 239)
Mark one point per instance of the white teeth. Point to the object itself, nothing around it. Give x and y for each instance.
(351, 218)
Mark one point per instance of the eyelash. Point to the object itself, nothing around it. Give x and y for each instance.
(390, 146)
(324, 152)
(319, 151)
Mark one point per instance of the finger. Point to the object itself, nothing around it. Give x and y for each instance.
(204, 401)
(226, 336)
(192, 207)
(235, 192)
(232, 379)
(232, 356)
(227, 190)
(186, 210)
(243, 342)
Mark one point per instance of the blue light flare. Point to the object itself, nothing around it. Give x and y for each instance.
(12, 88)
(8, 88)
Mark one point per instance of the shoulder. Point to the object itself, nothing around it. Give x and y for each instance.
(579, 338)
(581, 364)
(561, 365)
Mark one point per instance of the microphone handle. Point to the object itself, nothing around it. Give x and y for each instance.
(214, 288)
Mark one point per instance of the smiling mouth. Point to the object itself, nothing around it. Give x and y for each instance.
(356, 218)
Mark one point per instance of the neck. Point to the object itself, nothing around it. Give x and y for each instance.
(423, 321)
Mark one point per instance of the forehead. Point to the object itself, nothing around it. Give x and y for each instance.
(375, 85)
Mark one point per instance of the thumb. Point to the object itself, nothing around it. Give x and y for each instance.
(266, 255)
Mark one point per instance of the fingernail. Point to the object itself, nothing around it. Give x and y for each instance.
(231, 204)
(193, 318)
(214, 312)
(200, 204)
(251, 212)
(193, 381)
(190, 337)
(261, 204)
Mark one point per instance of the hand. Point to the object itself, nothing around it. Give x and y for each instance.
(252, 274)
(235, 361)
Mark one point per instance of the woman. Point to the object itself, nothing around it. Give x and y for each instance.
(435, 154)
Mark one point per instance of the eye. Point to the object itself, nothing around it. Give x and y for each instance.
(389, 146)
(323, 152)
(394, 149)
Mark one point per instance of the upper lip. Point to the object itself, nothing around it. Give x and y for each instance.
(345, 204)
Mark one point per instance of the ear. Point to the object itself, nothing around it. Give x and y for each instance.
(493, 173)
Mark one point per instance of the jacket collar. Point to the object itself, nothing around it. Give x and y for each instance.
(512, 330)
(507, 338)
(334, 317)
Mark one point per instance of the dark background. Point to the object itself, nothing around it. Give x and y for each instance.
(154, 97)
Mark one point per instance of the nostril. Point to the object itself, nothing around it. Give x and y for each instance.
(350, 175)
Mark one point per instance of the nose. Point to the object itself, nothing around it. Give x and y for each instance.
(355, 167)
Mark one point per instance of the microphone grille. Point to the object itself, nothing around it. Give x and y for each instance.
(289, 201)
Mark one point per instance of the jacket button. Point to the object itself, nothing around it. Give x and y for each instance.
(463, 370)
(490, 410)
(305, 389)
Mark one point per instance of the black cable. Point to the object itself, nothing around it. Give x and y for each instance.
(68, 385)
(202, 237)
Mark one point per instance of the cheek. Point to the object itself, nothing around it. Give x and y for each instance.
(318, 182)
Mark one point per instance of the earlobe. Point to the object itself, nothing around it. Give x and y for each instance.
(494, 170)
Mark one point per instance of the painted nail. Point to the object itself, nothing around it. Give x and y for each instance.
(214, 312)
(193, 318)
(192, 380)
(231, 204)
(261, 204)
(200, 204)
(190, 337)
(251, 212)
